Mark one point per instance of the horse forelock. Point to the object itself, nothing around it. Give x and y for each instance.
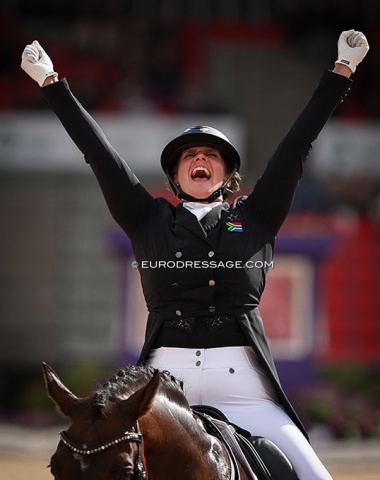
(128, 380)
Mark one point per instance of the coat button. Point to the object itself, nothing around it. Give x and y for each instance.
(211, 309)
(178, 254)
(198, 363)
(211, 282)
(178, 313)
(211, 254)
(198, 353)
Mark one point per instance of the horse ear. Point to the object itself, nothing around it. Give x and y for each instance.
(140, 402)
(64, 400)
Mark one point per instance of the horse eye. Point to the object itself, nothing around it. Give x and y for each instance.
(126, 473)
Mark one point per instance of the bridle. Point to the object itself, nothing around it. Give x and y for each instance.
(139, 473)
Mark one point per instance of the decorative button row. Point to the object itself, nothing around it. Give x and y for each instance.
(210, 282)
(211, 309)
(179, 254)
(198, 353)
(198, 363)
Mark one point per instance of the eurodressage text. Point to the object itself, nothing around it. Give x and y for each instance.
(199, 264)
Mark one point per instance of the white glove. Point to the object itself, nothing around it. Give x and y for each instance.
(36, 63)
(352, 48)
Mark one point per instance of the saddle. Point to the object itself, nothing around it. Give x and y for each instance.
(260, 458)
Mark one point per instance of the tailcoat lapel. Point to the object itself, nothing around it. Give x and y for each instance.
(211, 220)
(187, 220)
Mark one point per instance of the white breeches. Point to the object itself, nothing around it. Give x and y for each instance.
(232, 380)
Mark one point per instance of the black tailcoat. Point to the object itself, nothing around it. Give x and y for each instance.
(218, 266)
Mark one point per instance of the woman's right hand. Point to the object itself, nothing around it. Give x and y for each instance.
(37, 64)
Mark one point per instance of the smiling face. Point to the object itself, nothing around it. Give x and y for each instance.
(200, 171)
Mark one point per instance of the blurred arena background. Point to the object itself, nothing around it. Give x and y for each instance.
(146, 69)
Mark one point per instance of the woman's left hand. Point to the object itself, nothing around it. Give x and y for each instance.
(352, 48)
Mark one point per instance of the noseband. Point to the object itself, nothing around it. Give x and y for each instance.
(125, 437)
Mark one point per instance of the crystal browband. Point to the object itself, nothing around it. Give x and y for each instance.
(125, 437)
(187, 324)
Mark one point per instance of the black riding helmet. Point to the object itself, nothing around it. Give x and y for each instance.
(194, 137)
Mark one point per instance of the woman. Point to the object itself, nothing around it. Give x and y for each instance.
(203, 263)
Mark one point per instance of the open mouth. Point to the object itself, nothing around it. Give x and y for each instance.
(201, 173)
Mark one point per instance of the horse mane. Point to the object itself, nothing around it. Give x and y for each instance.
(126, 381)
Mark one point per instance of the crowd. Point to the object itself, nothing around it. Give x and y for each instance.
(90, 37)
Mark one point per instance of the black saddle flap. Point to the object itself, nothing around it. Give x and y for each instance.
(216, 413)
(267, 461)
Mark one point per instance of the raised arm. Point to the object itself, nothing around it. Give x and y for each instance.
(273, 194)
(127, 200)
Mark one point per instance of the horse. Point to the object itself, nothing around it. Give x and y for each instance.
(138, 425)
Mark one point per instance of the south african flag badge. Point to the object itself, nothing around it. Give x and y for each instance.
(234, 227)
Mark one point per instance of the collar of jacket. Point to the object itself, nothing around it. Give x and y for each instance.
(213, 217)
(189, 220)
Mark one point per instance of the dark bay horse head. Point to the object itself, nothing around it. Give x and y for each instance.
(103, 440)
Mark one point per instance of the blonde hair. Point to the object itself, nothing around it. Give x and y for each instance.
(233, 186)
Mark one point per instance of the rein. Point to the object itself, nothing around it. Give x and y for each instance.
(125, 437)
